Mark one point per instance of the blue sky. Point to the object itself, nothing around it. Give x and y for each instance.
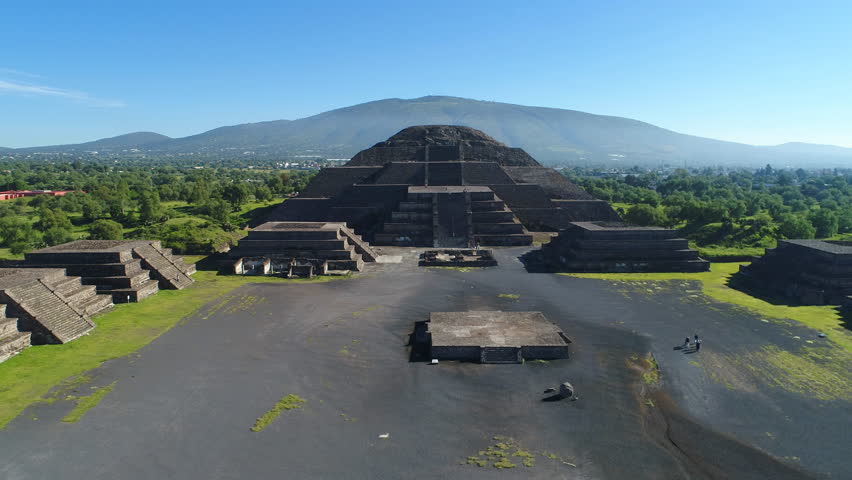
(755, 72)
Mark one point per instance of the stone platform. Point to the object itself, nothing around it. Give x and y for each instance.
(44, 305)
(617, 247)
(809, 272)
(276, 247)
(457, 258)
(129, 270)
(494, 337)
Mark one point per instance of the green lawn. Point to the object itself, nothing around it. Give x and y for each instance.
(29, 376)
(825, 318)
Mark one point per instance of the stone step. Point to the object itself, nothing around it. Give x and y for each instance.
(348, 254)
(2, 310)
(162, 268)
(136, 294)
(309, 234)
(505, 216)
(336, 244)
(363, 248)
(8, 326)
(96, 304)
(13, 344)
(354, 265)
(498, 228)
(66, 285)
(503, 240)
(83, 293)
(402, 240)
(406, 227)
(416, 206)
(487, 206)
(411, 217)
(121, 269)
(104, 283)
(50, 311)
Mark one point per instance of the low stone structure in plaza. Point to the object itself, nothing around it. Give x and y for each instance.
(300, 249)
(611, 247)
(493, 337)
(457, 258)
(444, 186)
(129, 270)
(808, 272)
(39, 306)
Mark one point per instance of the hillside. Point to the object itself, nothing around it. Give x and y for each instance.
(551, 135)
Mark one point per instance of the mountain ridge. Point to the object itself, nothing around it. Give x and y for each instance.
(551, 135)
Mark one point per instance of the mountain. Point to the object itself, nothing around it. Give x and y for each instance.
(138, 140)
(551, 135)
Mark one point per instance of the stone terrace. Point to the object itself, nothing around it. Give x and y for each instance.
(129, 270)
(618, 247)
(813, 272)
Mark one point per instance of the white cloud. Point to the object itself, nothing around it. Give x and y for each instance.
(25, 88)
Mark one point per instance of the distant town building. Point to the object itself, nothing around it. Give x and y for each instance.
(13, 194)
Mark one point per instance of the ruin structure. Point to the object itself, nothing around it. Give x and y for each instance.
(300, 249)
(457, 258)
(809, 272)
(129, 270)
(618, 247)
(39, 306)
(444, 186)
(493, 337)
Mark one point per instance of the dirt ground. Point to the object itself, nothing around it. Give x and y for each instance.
(182, 408)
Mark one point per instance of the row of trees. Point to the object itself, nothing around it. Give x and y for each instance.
(133, 201)
(740, 208)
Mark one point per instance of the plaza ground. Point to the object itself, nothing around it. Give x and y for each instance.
(758, 400)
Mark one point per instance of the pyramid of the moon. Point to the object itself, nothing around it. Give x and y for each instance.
(444, 186)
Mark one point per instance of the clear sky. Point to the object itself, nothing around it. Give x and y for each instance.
(760, 72)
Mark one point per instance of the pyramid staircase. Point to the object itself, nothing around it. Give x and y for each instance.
(419, 221)
(12, 340)
(53, 307)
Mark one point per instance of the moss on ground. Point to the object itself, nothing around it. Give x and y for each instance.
(715, 285)
(511, 296)
(504, 452)
(84, 404)
(289, 402)
(30, 375)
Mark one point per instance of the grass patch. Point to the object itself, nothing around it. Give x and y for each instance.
(29, 376)
(714, 283)
(504, 452)
(651, 375)
(5, 254)
(289, 402)
(509, 295)
(84, 404)
(718, 253)
(458, 269)
(809, 372)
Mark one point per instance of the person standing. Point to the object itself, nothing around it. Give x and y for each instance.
(685, 344)
(697, 343)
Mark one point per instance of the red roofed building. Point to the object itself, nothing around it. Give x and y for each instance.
(12, 194)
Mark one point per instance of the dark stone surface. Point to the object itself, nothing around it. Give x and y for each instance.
(182, 407)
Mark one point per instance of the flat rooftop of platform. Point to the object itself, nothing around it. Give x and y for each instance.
(614, 227)
(285, 226)
(14, 277)
(494, 329)
(822, 246)
(88, 246)
(449, 189)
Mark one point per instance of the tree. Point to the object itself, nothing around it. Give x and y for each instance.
(150, 209)
(236, 194)
(644, 215)
(795, 226)
(106, 230)
(218, 210)
(56, 236)
(825, 222)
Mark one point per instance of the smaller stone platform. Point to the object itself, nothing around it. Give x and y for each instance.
(809, 272)
(494, 337)
(44, 305)
(129, 270)
(277, 247)
(457, 258)
(612, 247)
